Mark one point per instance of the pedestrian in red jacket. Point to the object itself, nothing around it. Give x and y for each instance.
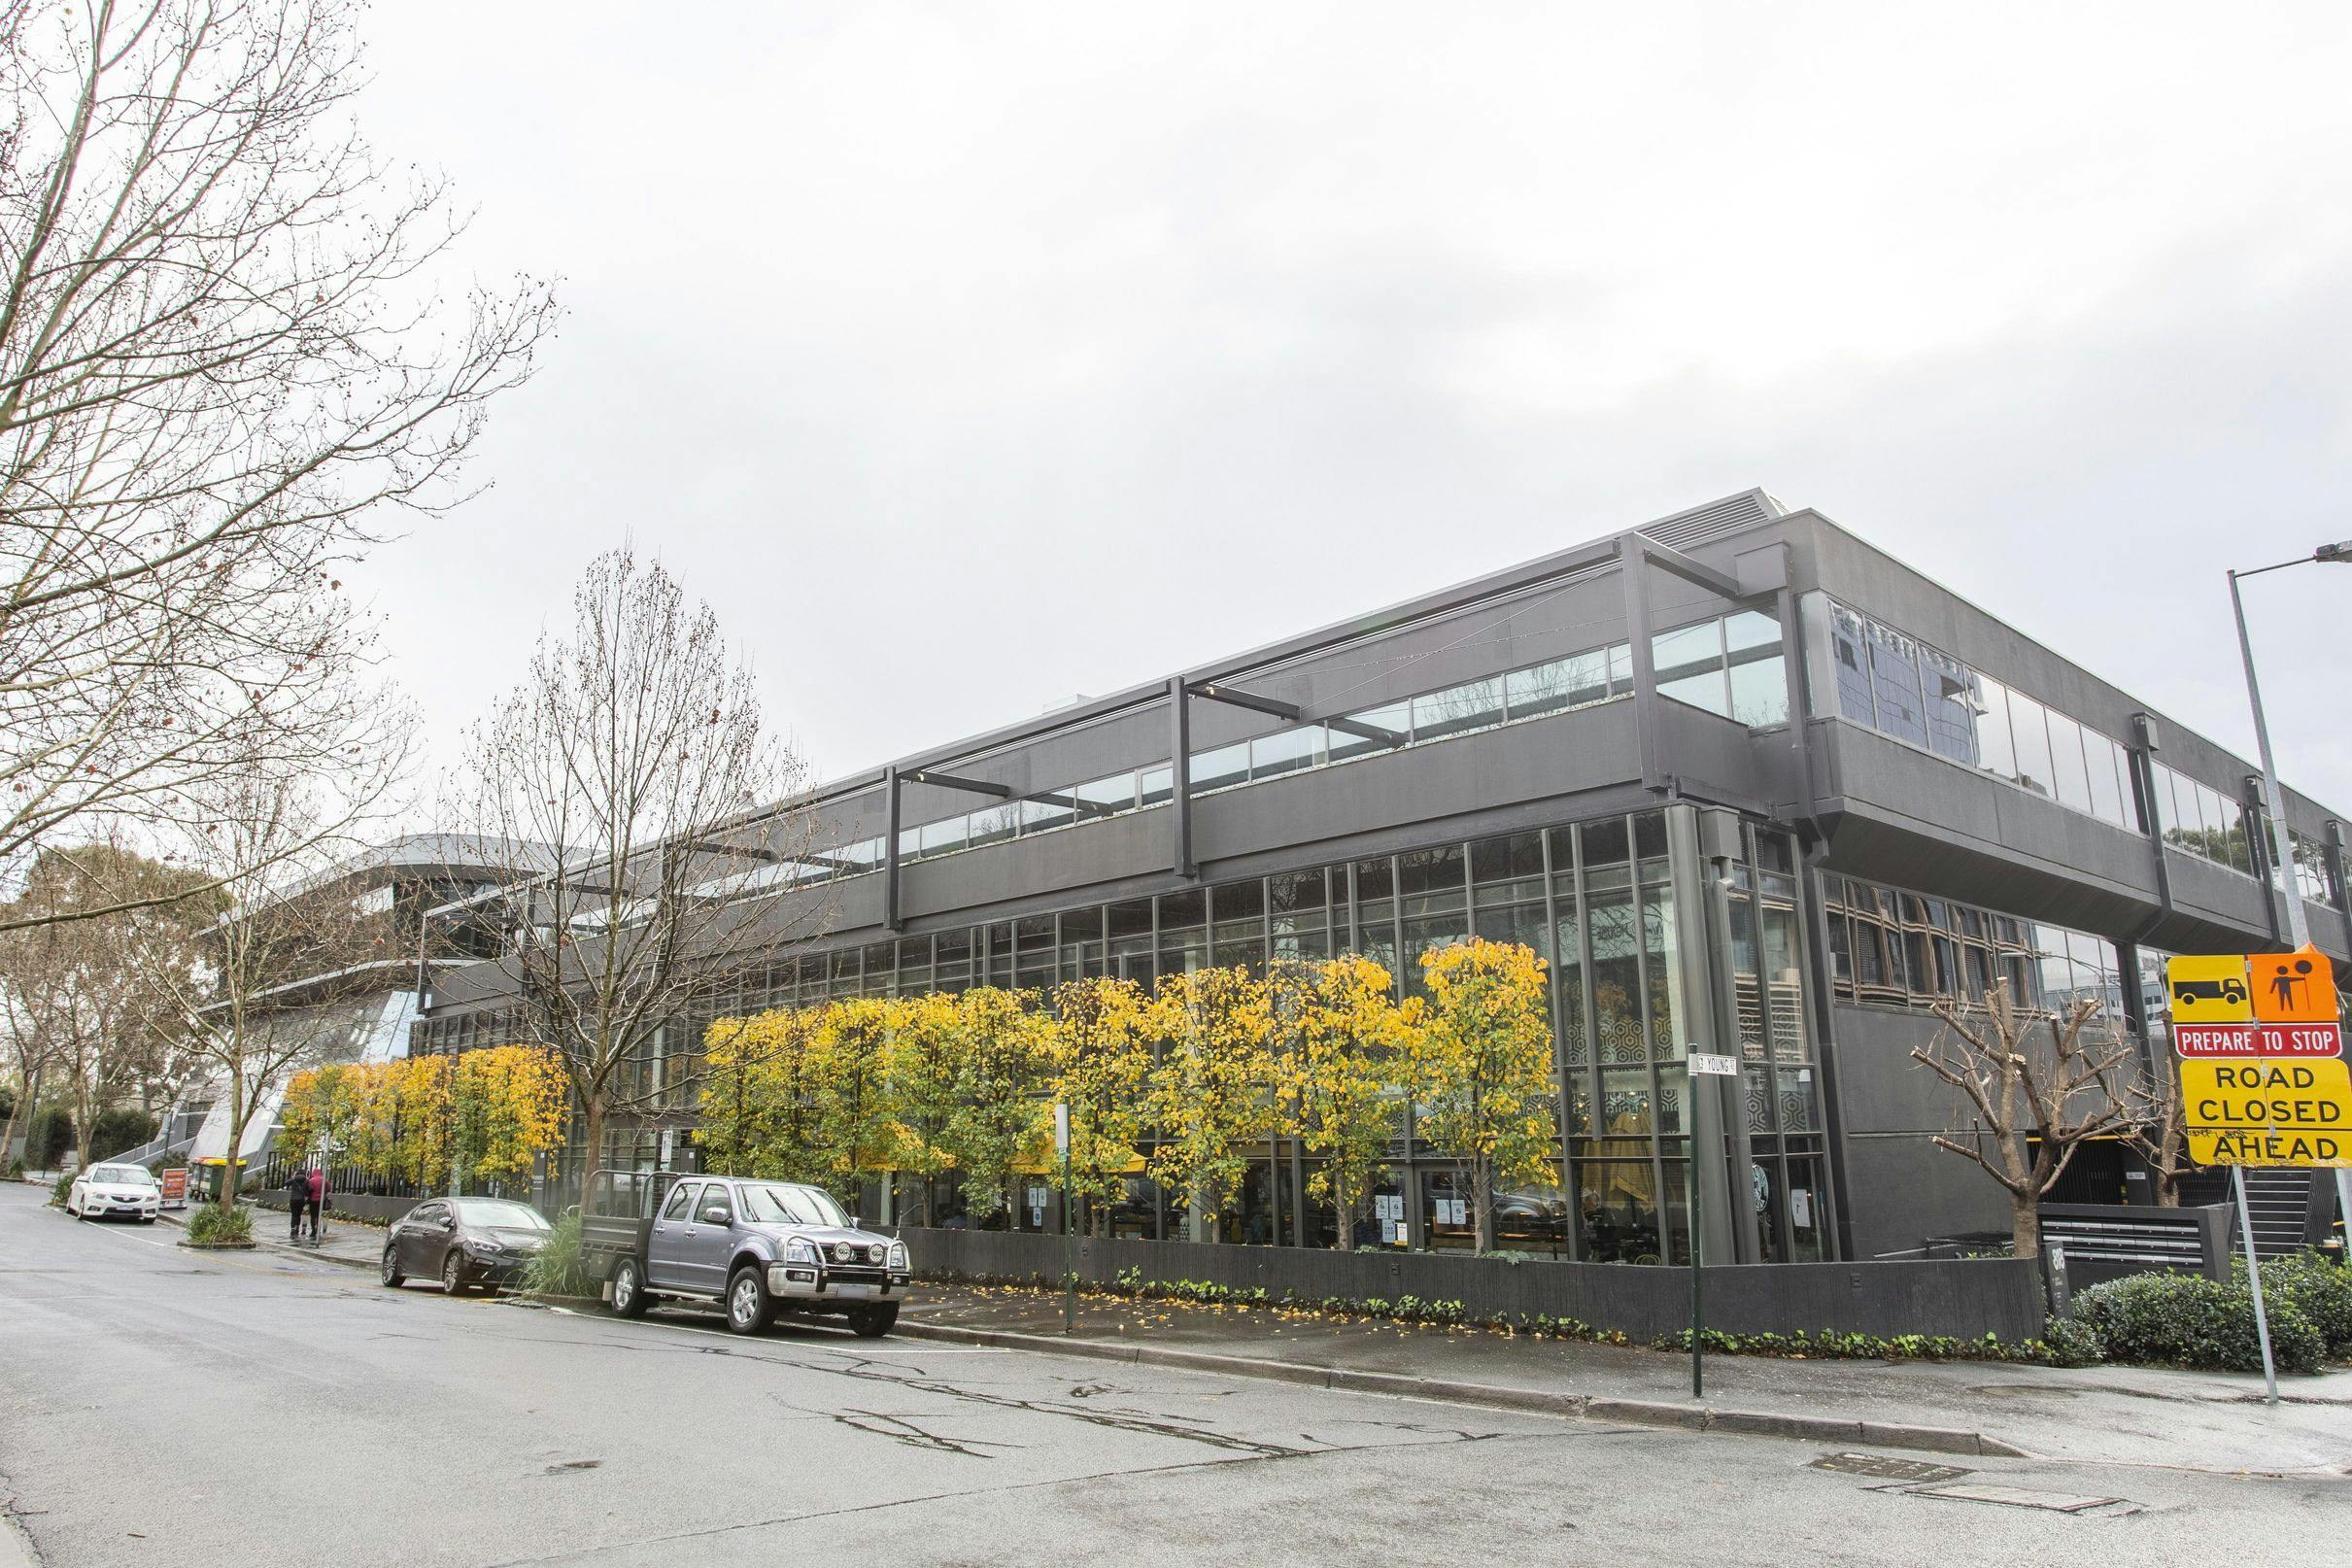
(317, 1201)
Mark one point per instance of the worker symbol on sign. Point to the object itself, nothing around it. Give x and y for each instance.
(2294, 988)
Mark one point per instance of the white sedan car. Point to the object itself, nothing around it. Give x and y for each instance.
(106, 1191)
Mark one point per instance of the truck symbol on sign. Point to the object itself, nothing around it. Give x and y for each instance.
(2229, 989)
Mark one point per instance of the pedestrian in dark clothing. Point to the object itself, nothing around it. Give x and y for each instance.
(297, 1198)
(317, 1201)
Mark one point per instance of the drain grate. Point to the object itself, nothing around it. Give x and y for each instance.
(1915, 1472)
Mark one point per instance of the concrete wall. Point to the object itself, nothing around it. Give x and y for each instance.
(1966, 1300)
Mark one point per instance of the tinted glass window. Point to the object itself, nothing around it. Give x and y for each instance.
(714, 1196)
(1689, 665)
(1390, 724)
(681, 1199)
(1850, 654)
(2029, 731)
(1894, 685)
(2066, 771)
(1949, 698)
(1216, 769)
(1271, 755)
(1457, 710)
(1107, 795)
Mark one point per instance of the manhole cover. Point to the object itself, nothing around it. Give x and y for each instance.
(1879, 1468)
(2024, 1497)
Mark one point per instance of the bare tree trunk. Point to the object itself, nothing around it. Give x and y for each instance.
(592, 1132)
(1481, 1200)
(1347, 1208)
(2026, 1224)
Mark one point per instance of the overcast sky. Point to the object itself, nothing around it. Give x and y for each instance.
(969, 358)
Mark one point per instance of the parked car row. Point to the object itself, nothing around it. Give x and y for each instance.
(756, 1248)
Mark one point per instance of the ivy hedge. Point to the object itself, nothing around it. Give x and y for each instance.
(2064, 1347)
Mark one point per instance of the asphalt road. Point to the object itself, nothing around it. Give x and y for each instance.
(158, 1405)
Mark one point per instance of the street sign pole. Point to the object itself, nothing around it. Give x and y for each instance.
(2282, 850)
(2254, 1276)
(1698, 1352)
(1703, 1128)
(1070, 1229)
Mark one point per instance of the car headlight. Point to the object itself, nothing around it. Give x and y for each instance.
(897, 1257)
(799, 1249)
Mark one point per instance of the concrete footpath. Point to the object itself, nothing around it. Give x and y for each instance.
(2125, 1416)
(357, 1247)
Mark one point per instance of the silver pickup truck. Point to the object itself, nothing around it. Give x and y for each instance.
(756, 1247)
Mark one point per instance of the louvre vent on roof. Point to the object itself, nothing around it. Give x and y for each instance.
(1703, 524)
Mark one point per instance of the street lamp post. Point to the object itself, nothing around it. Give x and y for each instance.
(2282, 847)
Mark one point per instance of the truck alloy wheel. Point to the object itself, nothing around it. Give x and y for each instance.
(628, 1290)
(748, 1308)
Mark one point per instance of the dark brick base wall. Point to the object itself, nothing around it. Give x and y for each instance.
(1961, 1299)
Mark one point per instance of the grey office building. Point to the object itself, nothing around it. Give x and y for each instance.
(1749, 785)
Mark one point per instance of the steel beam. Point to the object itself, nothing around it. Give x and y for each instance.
(957, 781)
(1247, 699)
(1668, 558)
(1179, 779)
(889, 850)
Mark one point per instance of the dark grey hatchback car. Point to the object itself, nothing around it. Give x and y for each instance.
(464, 1243)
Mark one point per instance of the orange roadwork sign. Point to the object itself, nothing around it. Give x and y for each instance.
(2263, 1078)
(2293, 988)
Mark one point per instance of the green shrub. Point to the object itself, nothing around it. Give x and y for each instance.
(2073, 1342)
(2319, 1290)
(57, 1188)
(559, 1270)
(2187, 1321)
(16, 1169)
(212, 1225)
(48, 1136)
(118, 1131)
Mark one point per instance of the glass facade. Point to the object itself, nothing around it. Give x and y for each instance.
(2201, 820)
(1902, 949)
(1901, 687)
(1594, 899)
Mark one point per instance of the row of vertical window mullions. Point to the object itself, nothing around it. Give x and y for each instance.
(2201, 820)
(1611, 1095)
(1884, 680)
(2314, 876)
(1908, 949)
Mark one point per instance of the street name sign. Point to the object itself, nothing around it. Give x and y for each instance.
(1722, 1067)
(2263, 1078)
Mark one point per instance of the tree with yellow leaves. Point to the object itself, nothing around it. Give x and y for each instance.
(1482, 1068)
(508, 1107)
(849, 1049)
(1213, 1093)
(923, 1070)
(760, 1107)
(1101, 1049)
(1000, 1130)
(1346, 1048)
(420, 1098)
(321, 1111)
